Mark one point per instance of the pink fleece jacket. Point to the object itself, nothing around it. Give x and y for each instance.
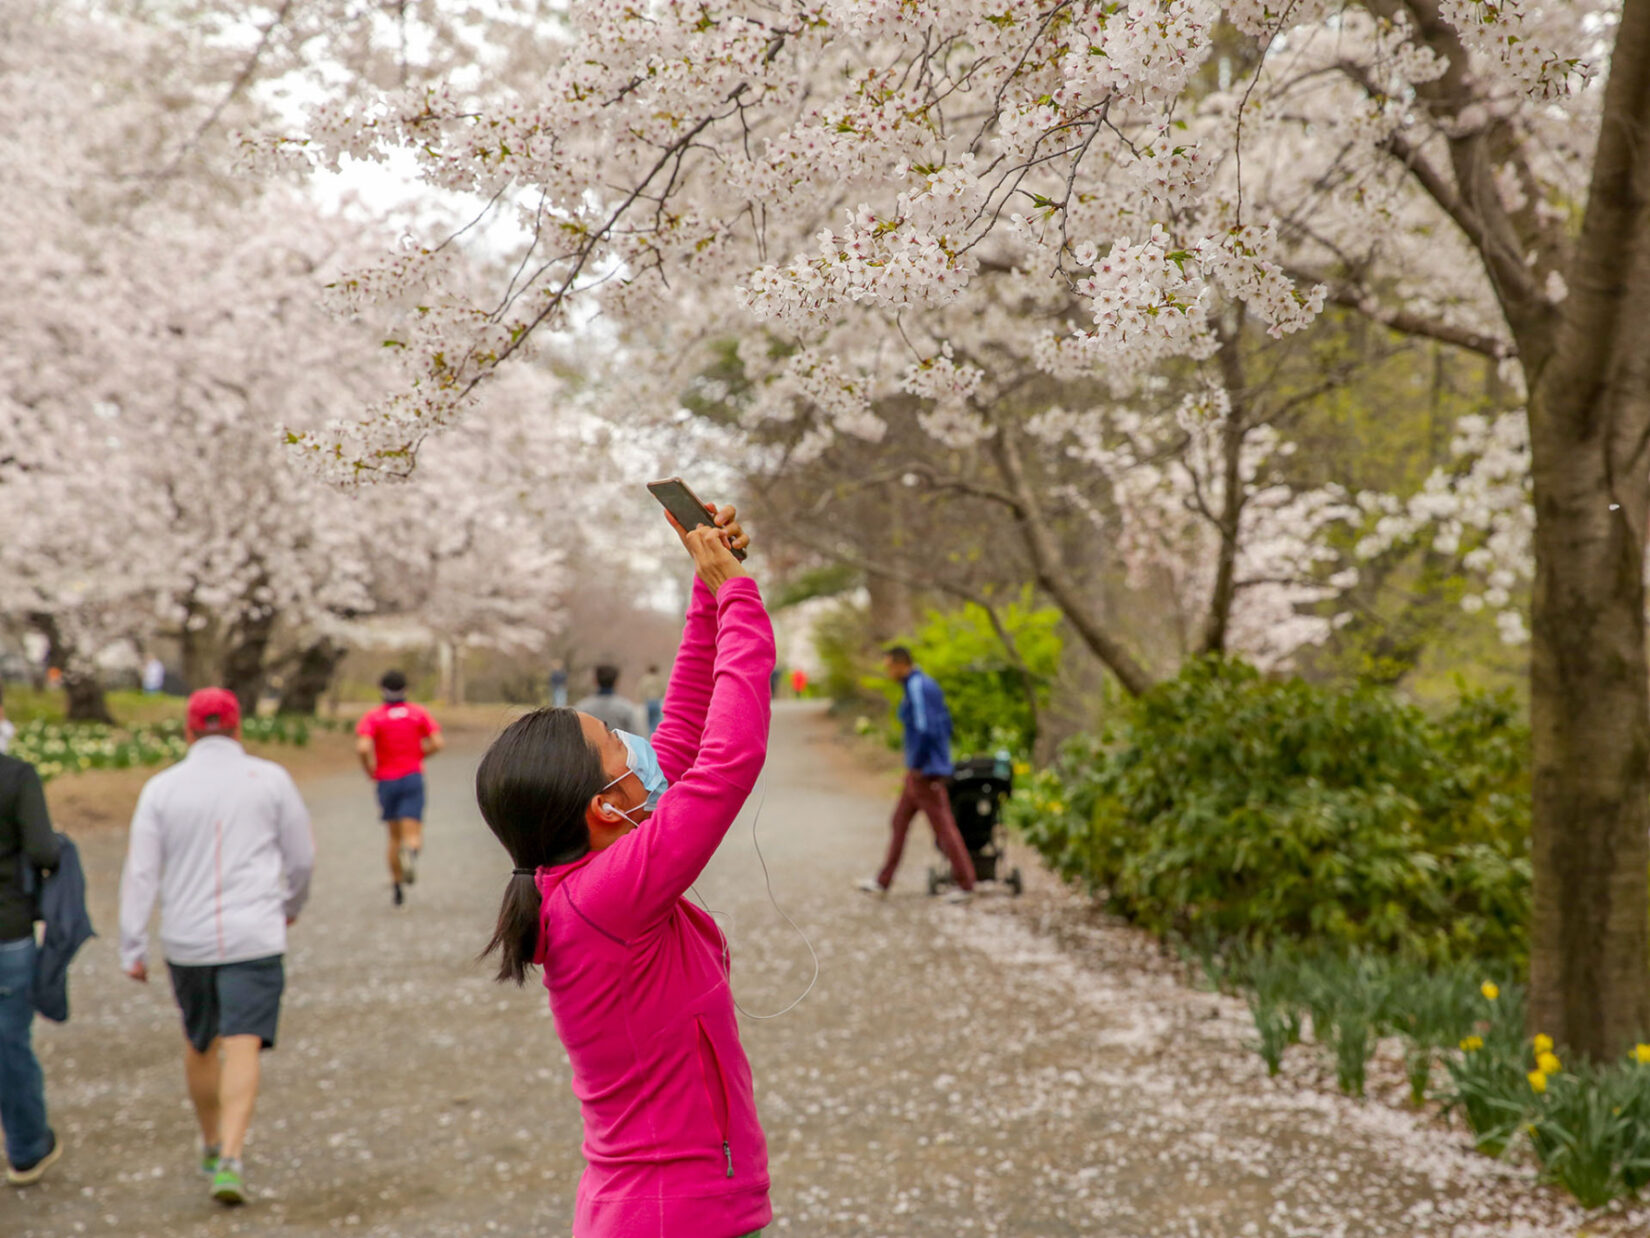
(638, 976)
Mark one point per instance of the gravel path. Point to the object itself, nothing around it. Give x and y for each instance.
(1015, 1068)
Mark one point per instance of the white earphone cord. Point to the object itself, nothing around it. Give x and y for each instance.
(767, 877)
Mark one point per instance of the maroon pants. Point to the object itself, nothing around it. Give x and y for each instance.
(927, 794)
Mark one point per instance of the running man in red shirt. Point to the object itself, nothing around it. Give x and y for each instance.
(393, 741)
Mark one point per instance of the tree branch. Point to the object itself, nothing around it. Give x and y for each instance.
(1404, 321)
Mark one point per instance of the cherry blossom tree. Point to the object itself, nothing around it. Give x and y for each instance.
(1442, 167)
(866, 190)
(170, 336)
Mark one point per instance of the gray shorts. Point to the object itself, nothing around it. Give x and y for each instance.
(229, 999)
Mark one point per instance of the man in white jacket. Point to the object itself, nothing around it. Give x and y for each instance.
(224, 839)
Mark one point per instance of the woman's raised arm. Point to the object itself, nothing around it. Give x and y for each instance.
(631, 885)
(687, 698)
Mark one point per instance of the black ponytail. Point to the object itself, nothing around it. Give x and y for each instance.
(532, 788)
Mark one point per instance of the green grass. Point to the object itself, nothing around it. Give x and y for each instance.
(130, 708)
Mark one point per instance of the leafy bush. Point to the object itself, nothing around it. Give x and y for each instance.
(842, 641)
(984, 688)
(1265, 810)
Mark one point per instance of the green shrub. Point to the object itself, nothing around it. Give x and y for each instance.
(1265, 810)
(984, 688)
(848, 661)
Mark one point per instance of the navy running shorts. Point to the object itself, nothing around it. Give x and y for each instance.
(229, 999)
(402, 799)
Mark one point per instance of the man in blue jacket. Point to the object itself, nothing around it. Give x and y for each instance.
(927, 724)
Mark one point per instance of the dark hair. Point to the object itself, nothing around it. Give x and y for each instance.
(899, 653)
(393, 681)
(532, 787)
(606, 676)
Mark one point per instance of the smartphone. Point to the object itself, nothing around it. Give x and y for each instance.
(675, 497)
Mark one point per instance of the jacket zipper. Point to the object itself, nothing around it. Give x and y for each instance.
(711, 1064)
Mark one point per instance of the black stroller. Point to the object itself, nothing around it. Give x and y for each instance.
(978, 788)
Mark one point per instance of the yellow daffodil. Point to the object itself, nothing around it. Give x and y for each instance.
(1057, 806)
(1472, 1044)
(1021, 769)
(1538, 1081)
(1547, 1064)
(1543, 1044)
(1490, 990)
(1641, 1053)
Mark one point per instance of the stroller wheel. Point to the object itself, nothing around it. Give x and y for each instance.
(1015, 883)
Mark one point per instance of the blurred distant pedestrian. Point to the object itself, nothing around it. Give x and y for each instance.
(928, 768)
(392, 742)
(619, 712)
(154, 674)
(26, 842)
(799, 682)
(558, 684)
(223, 838)
(653, 697)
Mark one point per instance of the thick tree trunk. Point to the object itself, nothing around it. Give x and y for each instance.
(245, 658)
(888, 613)
(1590, 695)
(199, 642)
(84, 700)
(450, 667)
(310, 677)
(82, 692)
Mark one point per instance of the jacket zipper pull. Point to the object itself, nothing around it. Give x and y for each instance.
(728, 1152)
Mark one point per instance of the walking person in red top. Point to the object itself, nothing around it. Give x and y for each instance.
(606, 831)
(393, 741)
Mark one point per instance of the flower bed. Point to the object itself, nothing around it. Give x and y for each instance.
(58, 748)
(1465, 1047)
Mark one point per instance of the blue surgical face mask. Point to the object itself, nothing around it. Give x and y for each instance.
(641, 760)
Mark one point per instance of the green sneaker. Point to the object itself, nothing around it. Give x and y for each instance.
(227, 1186)
(210, 1154)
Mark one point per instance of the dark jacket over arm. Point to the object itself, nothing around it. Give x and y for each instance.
(26, 838)
(63, 908)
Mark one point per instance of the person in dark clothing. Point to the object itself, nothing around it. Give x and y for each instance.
(928, 767)
(27, 845)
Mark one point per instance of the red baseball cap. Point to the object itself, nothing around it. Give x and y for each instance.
(213, 709)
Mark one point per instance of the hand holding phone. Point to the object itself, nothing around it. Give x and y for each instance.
(690, 513)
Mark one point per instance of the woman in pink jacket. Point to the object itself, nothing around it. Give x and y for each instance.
(638, 976)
